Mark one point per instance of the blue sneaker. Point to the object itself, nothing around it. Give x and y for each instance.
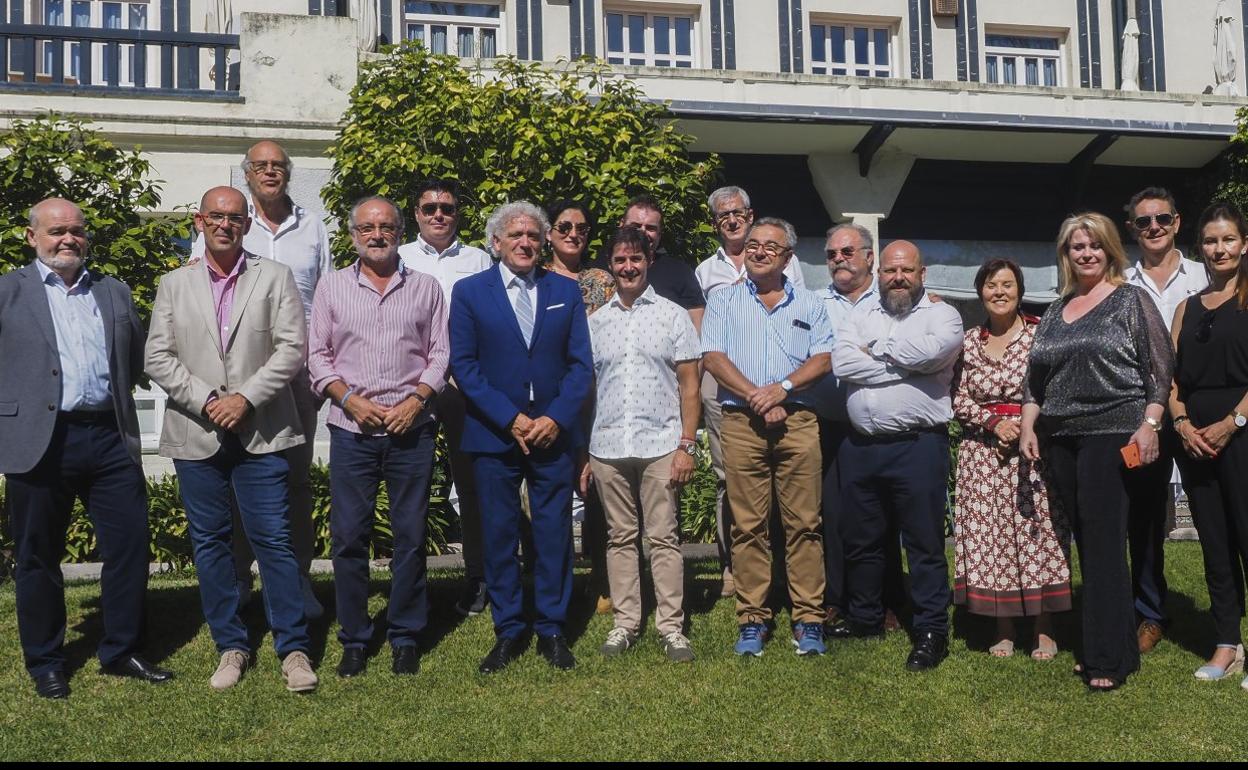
(809, 639)
(751, 640)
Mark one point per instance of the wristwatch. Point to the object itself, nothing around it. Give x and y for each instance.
(787, 384)
(689, 448)
(1240, 420)
(1153, 423)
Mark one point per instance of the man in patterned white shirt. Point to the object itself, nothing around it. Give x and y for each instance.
(646, 355)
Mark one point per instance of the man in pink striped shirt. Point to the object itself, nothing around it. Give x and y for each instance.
(378, 350)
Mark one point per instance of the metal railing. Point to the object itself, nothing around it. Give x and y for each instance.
(117, 60)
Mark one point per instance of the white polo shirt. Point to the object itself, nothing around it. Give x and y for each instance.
(1190, 278)
(448, 266)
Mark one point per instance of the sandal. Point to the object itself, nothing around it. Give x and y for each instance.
(1002, 649)
(1046, 648)
(1114, 684)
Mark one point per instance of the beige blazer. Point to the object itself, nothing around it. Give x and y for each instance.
(266, 347)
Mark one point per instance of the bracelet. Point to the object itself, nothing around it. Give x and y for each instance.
(1180, 419)
(423, 401)
(1153, 423)
(690, 439)
(342, 402)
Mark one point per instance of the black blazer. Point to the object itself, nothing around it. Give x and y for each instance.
(30, 364)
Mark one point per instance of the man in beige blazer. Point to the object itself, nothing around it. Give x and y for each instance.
(227, 337)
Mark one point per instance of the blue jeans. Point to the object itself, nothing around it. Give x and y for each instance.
(357, 466)
(259, 484)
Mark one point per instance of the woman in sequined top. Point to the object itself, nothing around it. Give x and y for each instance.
(1097, 383)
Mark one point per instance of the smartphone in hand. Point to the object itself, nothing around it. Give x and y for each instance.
(1131, 456)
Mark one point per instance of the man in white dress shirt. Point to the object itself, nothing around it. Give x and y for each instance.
(295, 237)
(438, 251)
(1168, 279)
(646, 355)
(897, 357)
(732, 216)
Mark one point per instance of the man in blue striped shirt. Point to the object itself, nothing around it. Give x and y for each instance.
(766, 343)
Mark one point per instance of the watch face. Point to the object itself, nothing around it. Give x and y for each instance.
(1240, 421)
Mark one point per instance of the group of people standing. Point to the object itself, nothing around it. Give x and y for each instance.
(547, 374)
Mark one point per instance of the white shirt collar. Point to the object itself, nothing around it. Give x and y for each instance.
(873, 288)
(647, 297)
(424, 246)
(508, 277)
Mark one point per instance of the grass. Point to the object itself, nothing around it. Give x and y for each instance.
(857, 703)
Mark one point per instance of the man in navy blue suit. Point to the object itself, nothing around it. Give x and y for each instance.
(520, 353)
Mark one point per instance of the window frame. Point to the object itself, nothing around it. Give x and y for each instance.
(95, 20)
(453, 23)
(649, 55)
(995, 57)
(872, 24)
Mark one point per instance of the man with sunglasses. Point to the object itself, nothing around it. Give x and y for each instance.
(1168, 279)
(228, 336)
(766, 343)
(437, 251)
(732, 216)
(290, 234)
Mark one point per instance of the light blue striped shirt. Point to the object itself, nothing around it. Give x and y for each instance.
(765, 345)
(80, 342)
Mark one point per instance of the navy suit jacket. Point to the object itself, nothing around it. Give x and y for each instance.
(494, 368)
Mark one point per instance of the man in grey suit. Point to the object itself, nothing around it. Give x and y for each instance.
(72, 347)
(227, 337)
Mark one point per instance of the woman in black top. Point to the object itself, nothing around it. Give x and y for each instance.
(1097, 381)
(1209, 403)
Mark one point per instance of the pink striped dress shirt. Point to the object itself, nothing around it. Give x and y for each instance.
(223, 295)
(382, 344)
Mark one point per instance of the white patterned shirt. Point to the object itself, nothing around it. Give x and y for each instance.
(636, 350)
(448, 266)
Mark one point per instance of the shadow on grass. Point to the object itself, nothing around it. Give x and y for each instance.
(173, 620)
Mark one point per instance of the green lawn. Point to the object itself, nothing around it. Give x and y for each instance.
(857, 703)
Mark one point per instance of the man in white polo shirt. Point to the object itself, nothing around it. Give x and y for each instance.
(437, 251)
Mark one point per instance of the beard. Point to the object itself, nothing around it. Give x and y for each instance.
(896, 302)
(59, 262)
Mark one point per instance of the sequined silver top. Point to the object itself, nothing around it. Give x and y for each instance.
(1096, 375)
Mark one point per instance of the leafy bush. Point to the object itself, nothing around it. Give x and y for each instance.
(530, 131)
(697, 499)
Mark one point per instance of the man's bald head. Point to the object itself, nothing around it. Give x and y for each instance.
(902, 249)
(901, 277)
(223, 219)
(60, 206)
(223, 198)
(266, 167)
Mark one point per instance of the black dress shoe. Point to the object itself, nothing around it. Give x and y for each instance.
(844, 628)
(52, 685)
(555, 650)
(930, 648)
(136, 667)
(405, 659)
(505, 651)
(353, 662)
(474, 599)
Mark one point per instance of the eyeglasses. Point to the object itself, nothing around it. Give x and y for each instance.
(846, 252)
(724, 216)
(216, 218)
(565, 227)
(1205, 330)
(1146, 221)
(277, 166)
(447, 209)
(770, 248)
(385, 230)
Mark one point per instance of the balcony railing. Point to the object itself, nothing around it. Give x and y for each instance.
(118, 60)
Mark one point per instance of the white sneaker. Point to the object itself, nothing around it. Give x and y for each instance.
(676, 648)
(312, 609)
(298, 673)
(618, 640)
(231, 669)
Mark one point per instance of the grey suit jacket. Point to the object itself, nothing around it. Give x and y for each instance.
(30, 364)
(265, 348)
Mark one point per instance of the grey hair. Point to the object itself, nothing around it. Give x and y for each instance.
(290, 164)
(731, 191)
(789, 233)
(502, 215)
(863, 233)
(355, 207)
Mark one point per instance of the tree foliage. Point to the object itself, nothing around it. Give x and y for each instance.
(55, 156)
(525, 131)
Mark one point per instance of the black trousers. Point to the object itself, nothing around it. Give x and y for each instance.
(1095, 488)
(1146, 530)
(88, 461)
(831, 434)
(899, 480)
(1218, 493)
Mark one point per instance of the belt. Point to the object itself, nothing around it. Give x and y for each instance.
(84, 417)
(1000, 410)
(905, 435)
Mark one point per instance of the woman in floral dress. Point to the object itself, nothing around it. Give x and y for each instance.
(1012, 549)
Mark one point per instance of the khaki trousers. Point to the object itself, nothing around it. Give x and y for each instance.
(765, 466)
(620, 484)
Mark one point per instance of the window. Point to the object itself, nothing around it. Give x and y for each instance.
(1022, 60)
(650, 39)
(850, 49)
(100, 15)
(467, 30)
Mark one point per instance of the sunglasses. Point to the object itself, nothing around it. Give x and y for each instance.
(847, 252)
(565, 227)
(1146, 221)
(447, 209)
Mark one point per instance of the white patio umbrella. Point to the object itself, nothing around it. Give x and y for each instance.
(1225, 62)
(1130, 57)
(366, 30)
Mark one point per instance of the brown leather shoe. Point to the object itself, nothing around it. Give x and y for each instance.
(891, 623)
(1150, 634)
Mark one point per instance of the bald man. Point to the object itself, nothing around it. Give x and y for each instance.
(227, 337)
(897, 357)
(72, 344)
(296, 237)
